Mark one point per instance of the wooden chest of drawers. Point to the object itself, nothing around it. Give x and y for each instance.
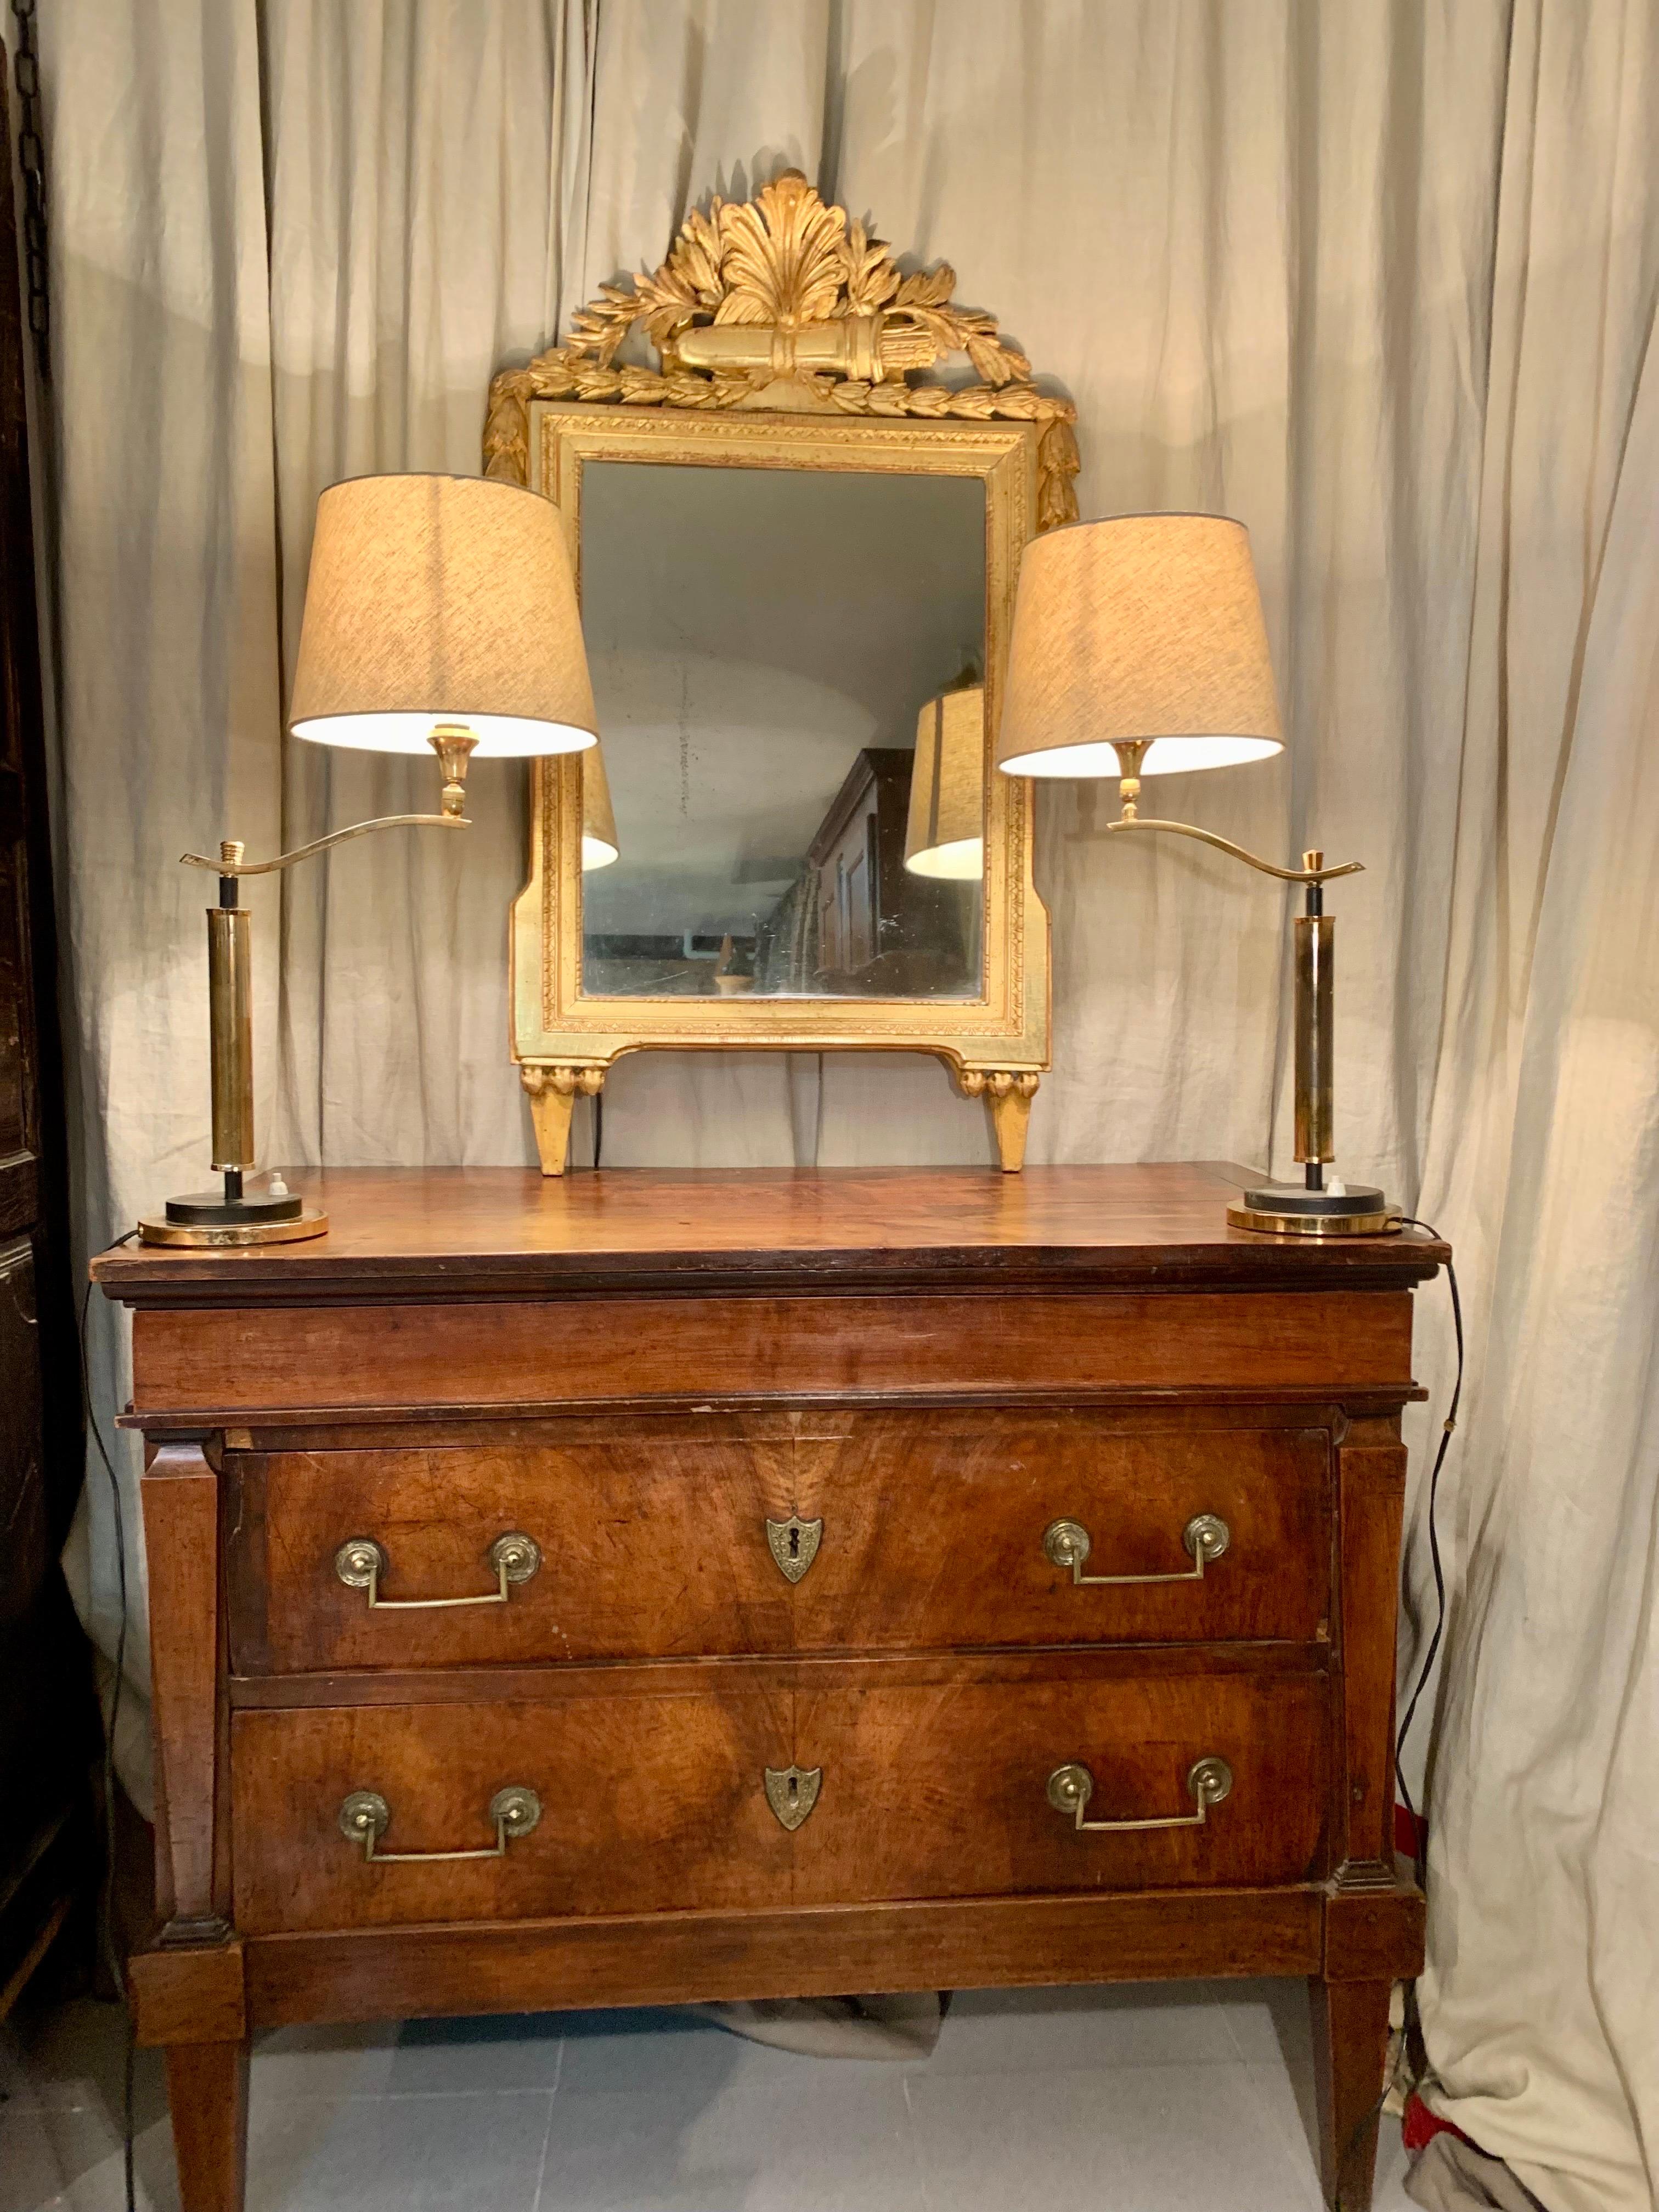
(644, 1588)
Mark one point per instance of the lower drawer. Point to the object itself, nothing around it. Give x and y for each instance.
(873, 1781)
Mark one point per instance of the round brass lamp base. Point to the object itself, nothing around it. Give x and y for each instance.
(259, 1227)
(1288, 1209)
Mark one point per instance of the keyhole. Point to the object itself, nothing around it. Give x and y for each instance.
(794, 1543)
(794, 1792)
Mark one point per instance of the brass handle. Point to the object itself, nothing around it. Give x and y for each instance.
(361, 1562)
(1208, 1781)
(1205, 1537)
(365, 1816)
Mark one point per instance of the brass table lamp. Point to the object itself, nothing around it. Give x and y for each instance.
(1138, 649)
(440, 616)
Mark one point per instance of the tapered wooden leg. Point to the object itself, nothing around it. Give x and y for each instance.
(1351, 2057)
(207, 2089)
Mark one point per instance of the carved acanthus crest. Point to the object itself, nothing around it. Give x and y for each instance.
(781, 303)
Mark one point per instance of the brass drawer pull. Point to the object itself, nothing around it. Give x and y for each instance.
(360, 1563)
(1208, 1781)
(365, 1816)
(1205, 1537)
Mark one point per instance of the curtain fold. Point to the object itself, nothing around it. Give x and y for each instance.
(1379, 280)
(1544, 1162)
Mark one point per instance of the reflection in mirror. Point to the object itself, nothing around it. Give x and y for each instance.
(770, 648)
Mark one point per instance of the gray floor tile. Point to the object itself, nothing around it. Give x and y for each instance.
(648, 2051)
(341, 2060)
(1283, 2095)
(1268, 2020)
(835, 2143)
(1153, 2097)
(482, 2055)
(71, 2059)
(1069, 2030)
(56, 2156)
(1148, 2139)
(467, 2154)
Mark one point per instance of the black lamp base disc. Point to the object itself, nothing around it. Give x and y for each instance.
(1290, 1209)
(205, 1220)
(211, 1209)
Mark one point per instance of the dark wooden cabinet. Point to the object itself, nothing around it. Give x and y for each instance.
(647, 1587)
(882, 932)
(48, 1722)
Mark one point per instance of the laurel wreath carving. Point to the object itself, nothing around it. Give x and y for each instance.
(787, 260)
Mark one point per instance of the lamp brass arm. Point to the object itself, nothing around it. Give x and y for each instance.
(225, 866)
(1314, 875)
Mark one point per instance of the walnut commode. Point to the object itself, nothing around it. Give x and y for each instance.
(646, 1588)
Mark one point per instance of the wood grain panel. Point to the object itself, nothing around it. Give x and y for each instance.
(653, 1536)
(660, 1677)
(680, 1958)
(647, 1803)
(933, 1526)
(1373, 1487)
(1351, 2053)
(454, 1232)
(583, 1350)
(188, 1993)
(207, 2089)
(180, 1497)
(942, 1792)
(650, 1546)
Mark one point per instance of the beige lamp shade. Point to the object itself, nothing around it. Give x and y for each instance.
(1142, 628)
(599, 846)
(440, 600)
(946, 833)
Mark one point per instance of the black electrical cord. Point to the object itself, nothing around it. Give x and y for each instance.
(1430, 1655)
(1413, 2029)
(106, 1905)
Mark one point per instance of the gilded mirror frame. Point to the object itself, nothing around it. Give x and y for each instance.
(789, 340)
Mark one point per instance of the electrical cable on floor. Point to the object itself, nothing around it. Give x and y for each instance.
(106, 1902)
(1430, 1655)
(1414, 2030)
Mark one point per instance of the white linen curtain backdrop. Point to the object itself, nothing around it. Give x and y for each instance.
(1378, 278)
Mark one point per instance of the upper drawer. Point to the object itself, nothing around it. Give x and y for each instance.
(850, 1532)
(645, 1545)
(965, 1527)
(214, 1363)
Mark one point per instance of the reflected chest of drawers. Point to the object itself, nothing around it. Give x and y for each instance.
(643, 1588)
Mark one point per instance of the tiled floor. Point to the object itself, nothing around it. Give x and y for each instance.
(1138, 2099)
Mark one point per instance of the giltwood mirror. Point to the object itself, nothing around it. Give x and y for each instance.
(797, 564)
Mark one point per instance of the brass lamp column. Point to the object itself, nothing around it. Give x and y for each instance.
(1138, 649)
(440, 616)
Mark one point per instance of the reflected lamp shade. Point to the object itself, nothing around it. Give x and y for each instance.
(599, 846)
(440, 600)
(1141, 628)
(945, 835)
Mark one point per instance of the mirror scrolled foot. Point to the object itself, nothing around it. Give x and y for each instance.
(553, 1092)
(1008, 1096)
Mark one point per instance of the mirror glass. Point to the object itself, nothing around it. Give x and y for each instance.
(766, 645)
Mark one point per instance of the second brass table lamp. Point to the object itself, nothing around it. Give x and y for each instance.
(440, 616)
(1138, 649)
